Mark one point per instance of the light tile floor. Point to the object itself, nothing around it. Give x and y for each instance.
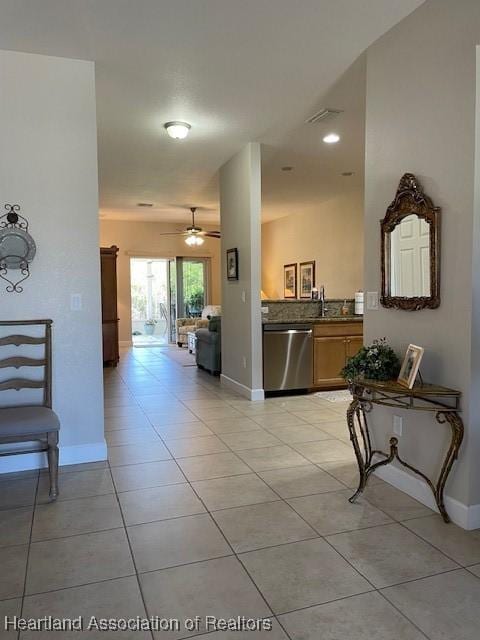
(211, 505)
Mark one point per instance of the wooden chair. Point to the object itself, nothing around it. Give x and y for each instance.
(30, 423)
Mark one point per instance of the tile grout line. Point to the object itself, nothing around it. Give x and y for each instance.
(130, 549)
(234, 553)
(29, 546)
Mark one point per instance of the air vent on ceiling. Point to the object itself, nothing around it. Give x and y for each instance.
(322, 115)
(144, 204)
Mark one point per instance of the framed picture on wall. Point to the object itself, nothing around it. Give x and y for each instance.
(290, 280)
(410, 366)
(232, 264)
(307, 278)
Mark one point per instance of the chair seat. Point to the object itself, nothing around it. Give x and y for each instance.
(187, 328)
(22, 421)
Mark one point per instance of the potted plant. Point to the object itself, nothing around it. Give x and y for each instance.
(375, 362)
(195, 303)
(149, 327)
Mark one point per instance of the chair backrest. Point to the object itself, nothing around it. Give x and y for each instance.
(211, 310)
(18, 361)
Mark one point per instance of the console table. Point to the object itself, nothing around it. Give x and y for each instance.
(443, 402)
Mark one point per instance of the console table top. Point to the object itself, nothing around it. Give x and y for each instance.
(419, 390)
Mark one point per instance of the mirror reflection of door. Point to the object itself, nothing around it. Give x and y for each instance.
(410, 258)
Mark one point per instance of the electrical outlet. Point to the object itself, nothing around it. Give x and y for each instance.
(372, 300)
(244, 361)
(397, 425)
(75, 301)
(264, 310)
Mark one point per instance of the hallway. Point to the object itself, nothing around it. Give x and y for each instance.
(211, 505)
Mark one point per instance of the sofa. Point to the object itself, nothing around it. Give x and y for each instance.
(208, 354)
(190, 325)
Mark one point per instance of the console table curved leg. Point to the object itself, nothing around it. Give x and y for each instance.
(456, 425)
(357, 411)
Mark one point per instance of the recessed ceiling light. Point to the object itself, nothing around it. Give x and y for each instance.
(144, 204)
(177, 130)
(331, 138)
(287, 168)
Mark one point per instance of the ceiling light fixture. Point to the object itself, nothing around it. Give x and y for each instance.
(331, 138)
(177, 130)
(194, 240)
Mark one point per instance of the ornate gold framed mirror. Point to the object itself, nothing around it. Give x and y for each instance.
(410, 252)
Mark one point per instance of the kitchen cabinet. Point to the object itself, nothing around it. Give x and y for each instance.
(333, 344)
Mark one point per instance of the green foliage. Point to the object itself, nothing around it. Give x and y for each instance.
(195, 299)
(376, 362)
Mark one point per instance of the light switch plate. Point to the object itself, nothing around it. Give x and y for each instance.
(75, 301)
(372, 300)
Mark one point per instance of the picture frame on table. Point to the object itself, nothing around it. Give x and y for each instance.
(307, 279)
(410, 366)
(290, 280)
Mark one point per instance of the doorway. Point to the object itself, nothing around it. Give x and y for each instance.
(150, 301)
(162, 290)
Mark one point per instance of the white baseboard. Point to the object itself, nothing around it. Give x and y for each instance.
(73, 454)
(125, 343)
(241, 389)
(467, 517)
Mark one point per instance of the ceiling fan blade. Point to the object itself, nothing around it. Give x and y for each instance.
(212, 234)
(173, 233)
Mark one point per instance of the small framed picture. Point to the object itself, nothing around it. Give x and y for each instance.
(307, 278)
(410, 366)
(290, 280)
(232, 264)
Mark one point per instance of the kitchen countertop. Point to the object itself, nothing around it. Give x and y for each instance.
(314, 320)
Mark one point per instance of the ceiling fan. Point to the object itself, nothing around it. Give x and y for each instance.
(194, 235)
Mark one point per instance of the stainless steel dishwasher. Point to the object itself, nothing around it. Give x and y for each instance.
(287, 357)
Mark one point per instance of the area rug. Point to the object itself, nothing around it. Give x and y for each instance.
(343, 395)
(180, 356)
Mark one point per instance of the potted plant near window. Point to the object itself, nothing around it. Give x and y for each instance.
(149, 327)
(195, 303)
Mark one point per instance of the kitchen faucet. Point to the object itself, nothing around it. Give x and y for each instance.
(323, 308)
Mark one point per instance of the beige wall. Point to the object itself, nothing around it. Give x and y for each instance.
(332, 236)
(421, 81)
(49, 167)
(240, 209)
(143, 239)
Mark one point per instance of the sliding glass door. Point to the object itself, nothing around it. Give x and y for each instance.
(188, 288)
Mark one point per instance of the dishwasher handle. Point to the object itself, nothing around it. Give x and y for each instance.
(291, 331)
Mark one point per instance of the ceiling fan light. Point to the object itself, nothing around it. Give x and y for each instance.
(177, 130)
(194, 241)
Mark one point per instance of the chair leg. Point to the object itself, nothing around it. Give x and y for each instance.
(52, 453)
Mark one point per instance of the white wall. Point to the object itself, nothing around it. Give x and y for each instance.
(421, 82)
(240, 210)
(144, 239)
(332, 236)
(48, 166)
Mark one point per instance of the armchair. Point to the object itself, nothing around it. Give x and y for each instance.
(190, 325)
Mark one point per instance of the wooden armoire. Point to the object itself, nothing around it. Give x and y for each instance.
(108, 262)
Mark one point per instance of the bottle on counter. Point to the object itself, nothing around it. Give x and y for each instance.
(344, 309)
